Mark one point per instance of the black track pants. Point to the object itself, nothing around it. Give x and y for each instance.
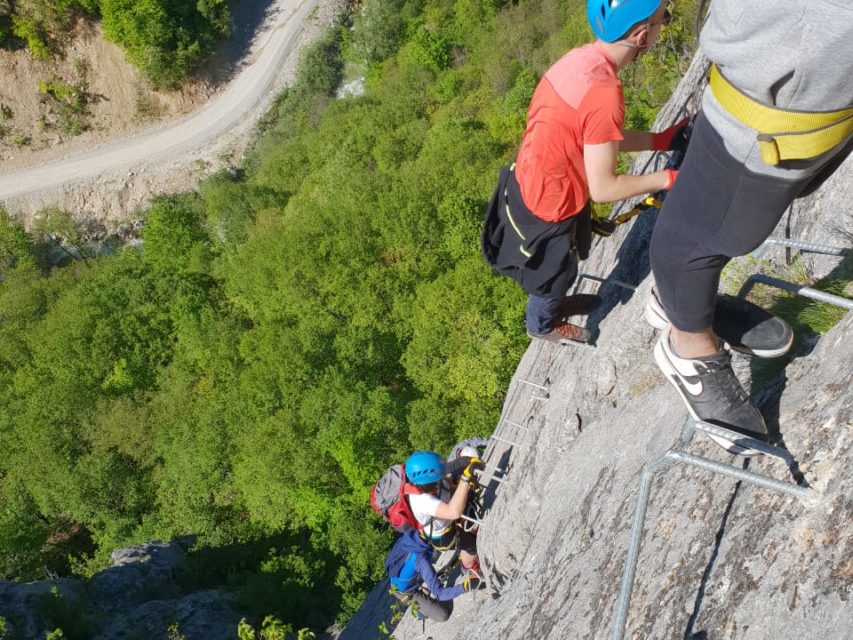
(717, 209)
(431, 608)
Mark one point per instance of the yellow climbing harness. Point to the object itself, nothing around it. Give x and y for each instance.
(783, 134)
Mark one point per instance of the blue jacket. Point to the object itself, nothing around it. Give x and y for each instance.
(409, 563)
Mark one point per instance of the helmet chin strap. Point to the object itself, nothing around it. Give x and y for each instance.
(639, 49)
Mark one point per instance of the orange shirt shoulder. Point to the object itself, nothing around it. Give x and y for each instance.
(578, 101)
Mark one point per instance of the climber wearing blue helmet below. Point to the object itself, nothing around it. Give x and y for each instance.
(440, 504)
(539, 224)
(436, 506)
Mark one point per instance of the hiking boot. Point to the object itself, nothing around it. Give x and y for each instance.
(713, 394)
(746, 327)
(580, 304)
(562, 333)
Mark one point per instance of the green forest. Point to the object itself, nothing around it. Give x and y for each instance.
(165, 39)
(295, 325)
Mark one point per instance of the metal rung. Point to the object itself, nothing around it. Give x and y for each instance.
(811, 247)
(806, 494)
(479, 523)
(691, 426)
(579, 345)
(806, 292)
(663, 462)
(613, 281)
(533, 384)
(509, 442)
(481, 473)
(585, 276)
(515, 424)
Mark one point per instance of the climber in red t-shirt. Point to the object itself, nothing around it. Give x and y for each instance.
(539, 219)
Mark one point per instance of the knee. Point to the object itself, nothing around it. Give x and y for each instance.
(441, 614)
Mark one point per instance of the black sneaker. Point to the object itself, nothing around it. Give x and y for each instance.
(713, 394)
(744, 326)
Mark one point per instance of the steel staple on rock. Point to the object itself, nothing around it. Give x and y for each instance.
(663, 462)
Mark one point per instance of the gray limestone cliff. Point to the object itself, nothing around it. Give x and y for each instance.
(719, 558)
(136, 598)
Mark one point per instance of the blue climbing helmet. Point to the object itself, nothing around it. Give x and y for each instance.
(612, 19)
(424, 467)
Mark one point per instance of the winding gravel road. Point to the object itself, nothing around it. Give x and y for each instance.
(164, 144)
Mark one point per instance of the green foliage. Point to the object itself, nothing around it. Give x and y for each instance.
(164, 38)
(16, 248)
(507, 119)
(29, 30)
(271, 629)
(378, 27)
(430, 49)
(174, 633)
(320, 70)
(53, 226)
(69, 101)
(43, 25)
(66, 615)
(63, 92)
(23, 533)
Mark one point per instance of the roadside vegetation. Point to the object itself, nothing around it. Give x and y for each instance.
(291, 328)
(165, 39)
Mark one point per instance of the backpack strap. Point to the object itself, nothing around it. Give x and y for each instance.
(408, 489)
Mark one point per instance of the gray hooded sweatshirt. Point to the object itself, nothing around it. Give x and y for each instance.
(792, 54)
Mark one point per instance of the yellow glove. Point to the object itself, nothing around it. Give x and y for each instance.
(472, 583)
(468, 472)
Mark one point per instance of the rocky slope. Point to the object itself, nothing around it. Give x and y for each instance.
(136, 598)
(720, 558)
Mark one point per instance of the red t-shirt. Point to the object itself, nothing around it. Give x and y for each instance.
(579, 101)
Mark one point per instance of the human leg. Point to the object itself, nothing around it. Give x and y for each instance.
(717, 209)
(557, 331)
(540, 313)
(744, 326)
(431, 608)
(466, 542)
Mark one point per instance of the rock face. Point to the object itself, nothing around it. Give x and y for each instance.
(136, 598)
(719, 558)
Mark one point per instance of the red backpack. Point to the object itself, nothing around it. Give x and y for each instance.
(388, 499)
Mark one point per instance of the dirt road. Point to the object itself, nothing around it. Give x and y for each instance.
(106, 179)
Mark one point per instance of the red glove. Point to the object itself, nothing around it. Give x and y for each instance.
(662, 141)
(671, 174)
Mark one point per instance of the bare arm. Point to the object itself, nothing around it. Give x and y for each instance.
(453, 509)
(636, 141)
(606, 186)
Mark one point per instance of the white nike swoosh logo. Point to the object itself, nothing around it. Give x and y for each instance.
(693, 388)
